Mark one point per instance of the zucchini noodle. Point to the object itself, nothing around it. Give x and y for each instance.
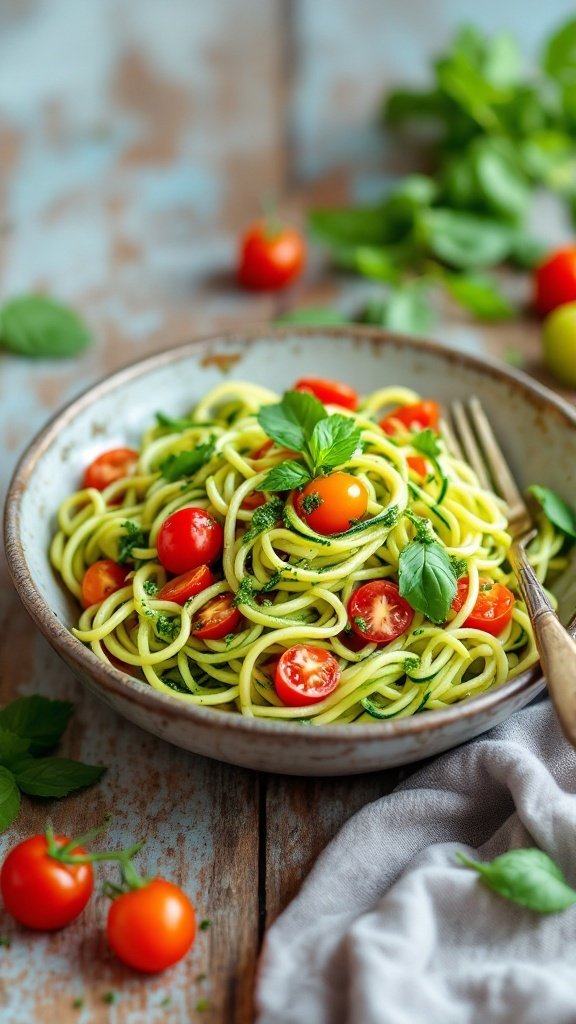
(292, 585)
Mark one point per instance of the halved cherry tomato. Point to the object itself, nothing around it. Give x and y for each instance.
(331, 504)
(109, 467)
(418, 464)
(270, 257)
(253, 500)
(555, 280)
(417, 416)
(330, 392)
(188, 538)
(40, 891)
(216, 618)
(152, 927)
(101, 579)
(493, 609)
(352, 641)
(305, 675)
(187, 585)
(378, 613)
(265, 449)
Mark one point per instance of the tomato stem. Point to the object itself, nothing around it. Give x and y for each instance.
(123, 857)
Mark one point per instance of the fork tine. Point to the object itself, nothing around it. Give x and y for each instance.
(450, 439)
(469, 444)
(505, 482)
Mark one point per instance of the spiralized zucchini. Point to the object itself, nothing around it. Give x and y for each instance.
(293, 584)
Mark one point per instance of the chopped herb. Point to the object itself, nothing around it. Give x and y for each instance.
(205, 924)
(134, 537)
(311, 502)
(182, 464)
(110, 998)
(5, 941)
(166, 1002)
(150, 587)
(202, 1005)
(459, 565)
(417, 632)
(167, 627)
(229, 638)
(245, 592)
(361, 623)
(78, 1003)
(200, 978)
(411, 663)
(264, 518)
(486, 587)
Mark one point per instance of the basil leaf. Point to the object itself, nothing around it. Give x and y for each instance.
(38, 719)
(466, 240)
(176, 424)
(38, 327)
(526, 251)
(134, 537)
(528, 877)
(502, 182)
(407, 309)
(291, 422)
(54, 776)
(410, 105)
(361, 225)
(426, 442)
(183, 464)
(12, 746)
(313, 316)
(264, 518)
(334, 441)
(285, 477)
(427, 579)
(559, 57)
(9, 799)
(555, 509)
(480, 295)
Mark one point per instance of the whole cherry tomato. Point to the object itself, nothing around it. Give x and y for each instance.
(493, 609)
(271, 256)
(110, 467)
(151, 927)
(189, 538)
(40, 891)
(416, 416)
(329, 392)
(305, 675)
(331, 504)
(101, 579)
(555, 280)
(377, 613)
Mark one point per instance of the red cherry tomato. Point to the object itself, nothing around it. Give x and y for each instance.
(151, 928)
(101, 579)
(418, 464)
(109, 467)
(189, 538)
(555, 280)
(187, 585)
(253, 500)
(270, 257)
(40, 891)
(417, 416)
(330, 392)
(216, 618)
(331, 504)
(493, 609)
(305, 675)
(378, 613)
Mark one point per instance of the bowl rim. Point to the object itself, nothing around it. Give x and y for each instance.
(115, 683)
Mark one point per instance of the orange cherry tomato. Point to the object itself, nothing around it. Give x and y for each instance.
(493, 609)
(189, 538)
(270, 257)
(40, 891)
(216, 618)
(187, 585)
(102, 579)
(331, 504)
(109, 467)
(377, 613)
(555, 280)
(152, 927)
(418, 464)
(305, 675)
(330, 392)
(417, 416)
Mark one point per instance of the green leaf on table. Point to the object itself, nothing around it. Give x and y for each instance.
(559, 57)
(9, 798)
(54, 776)
(290, 423)
(285, 477)
(37, 719)
(186, 464)
(556, 510)
(466, 240)
(334, 441)
(528, 877)
(315, 316)
(40, 328)
(12, 746)
(480, 295)
(406, 309)
(426, 575)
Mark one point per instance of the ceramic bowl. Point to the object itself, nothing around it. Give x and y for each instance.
(538, 433)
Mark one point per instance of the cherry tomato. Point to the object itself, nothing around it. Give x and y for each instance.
(153, 927)
(555, 280)
(493, 609)
(187, 585)
(305, 675)
(378, 613)
(270, 257)
(216, 618)
(331, 504)
(253, 500)
(101, 579)
(330, 392)
(418, 464)
(417, 416)
(264, 451)
(189, 538)
(559, 341)
(40, 891)
(109, 467)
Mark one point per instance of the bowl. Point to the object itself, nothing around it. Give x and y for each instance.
(538, 433)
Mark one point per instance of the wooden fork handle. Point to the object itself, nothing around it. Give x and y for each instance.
(556, 647)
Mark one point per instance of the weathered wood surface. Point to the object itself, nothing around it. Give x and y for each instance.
(135, 141)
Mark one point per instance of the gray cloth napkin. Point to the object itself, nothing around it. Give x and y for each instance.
(390, 929)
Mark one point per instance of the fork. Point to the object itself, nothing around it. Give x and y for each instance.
(469, 435)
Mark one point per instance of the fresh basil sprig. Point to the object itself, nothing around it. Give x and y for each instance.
(426, 573)
(528, 877)
(301, 423)
(184, 464)
(40, 328)
(555, 509)
(29, 727)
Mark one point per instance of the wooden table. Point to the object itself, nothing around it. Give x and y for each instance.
(130, 160)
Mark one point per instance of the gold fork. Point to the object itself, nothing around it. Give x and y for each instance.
(469, 436)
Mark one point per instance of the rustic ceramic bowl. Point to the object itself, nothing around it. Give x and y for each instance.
(538, 432)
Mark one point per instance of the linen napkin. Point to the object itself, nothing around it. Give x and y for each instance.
(389, 928)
